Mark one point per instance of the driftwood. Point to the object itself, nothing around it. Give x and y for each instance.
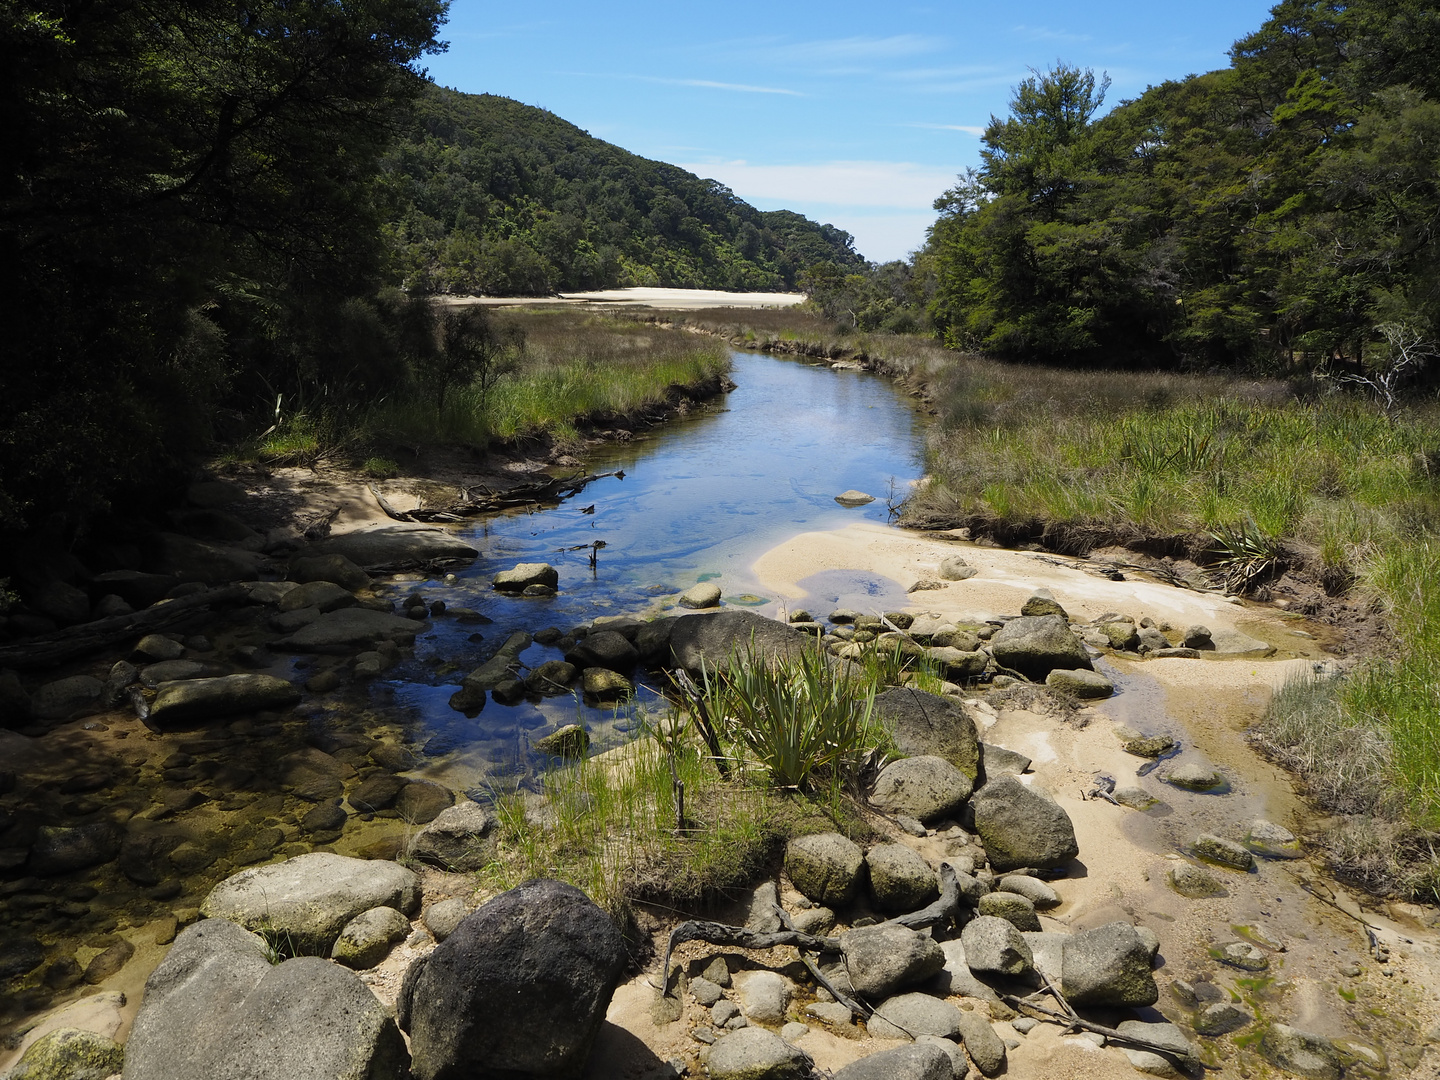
(857, 1008)
(940, 911)
(1069, 1021)
(73, 641)
(472, 501)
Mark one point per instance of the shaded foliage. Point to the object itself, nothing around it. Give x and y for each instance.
(489, 196)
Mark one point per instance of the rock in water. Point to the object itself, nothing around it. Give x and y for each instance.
(1036, 645)
(927, 724)
(198, 700)
(854, 498)
(525, 575)
(921, 787)
(69, 1054)
(752, 1053)
(1302, 1053)
(825, 867)
(307, 900)
(1273, 841)
(519, 989)
(60, 849)
(1225, 852)
(1109, 965)
(1022, 825)
(216, 1007)
(704, 595)
(570, 741)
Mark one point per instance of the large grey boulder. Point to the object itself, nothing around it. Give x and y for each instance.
(713, 640)
(349, 630)
(1109, 965)
(957, 980)
(908, 1016)
(306, 901)
(59, 849)
(900, 879)
(217, 1008)
(927, 788)
(1080, 683)
(336, 569)
(62, 698)
(1022, 825)
(921, 1061)
(69, 1054)
(1036, 645)
(390, 545)
(825, 867)
(927, 724)
(194, 701)
(604, 649)
(519, 989)
(460, 839)
(523, 575)
(994, 946)
(883, 959)
(752, 1053)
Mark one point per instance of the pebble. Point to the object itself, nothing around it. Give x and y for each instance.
(1024, 1024)
(704, 1035)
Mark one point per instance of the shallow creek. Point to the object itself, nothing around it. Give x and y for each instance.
(704, 498)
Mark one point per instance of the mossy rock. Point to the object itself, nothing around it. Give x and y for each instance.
(69, 1054)
(571, 741)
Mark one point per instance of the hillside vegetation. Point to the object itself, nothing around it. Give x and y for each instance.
(492, 197)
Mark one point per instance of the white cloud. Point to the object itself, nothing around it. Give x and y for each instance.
(861, 48)
(706, 84)
(890, 184)
(969, 129)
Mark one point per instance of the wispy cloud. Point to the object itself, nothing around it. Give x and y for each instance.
(861, 48)
(894, 184)
(1049, 33)
(969, 129)
(705, 84)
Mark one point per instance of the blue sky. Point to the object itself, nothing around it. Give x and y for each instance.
(858, 114)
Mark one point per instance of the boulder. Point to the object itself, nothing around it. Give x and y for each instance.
(958, 665)
(956, 979)
(308, 900)
(927, 788)
(954, 568)
(388, 545)
(200, 560)
(1022, 826)
(60, 849)
(441, 918)
(994, 946)
(336, 569)
(154, 648)
(105, 964)
(704, 595)
(523, 575)
(217, 1007)
(1272, 841)
(652, 639)
(1217, 849)
(195, 701)
(1168, 1037)
(369, 936)
(421, 802)
(921, 1061)
(825, 867)
(1191, 881)
(1036, 645)
(377, 792)
(62, 698)
(460, 839)
(1241, 954)
(1233, 645)
(883, 959)
(985, 1048)
(854, 498)
(491, 673)
(69, 1054)
(63, 603)
(713, 640)
(550, 678)
(1194, 777)
(907, 1016)
(1080, 683)
(997, 760)
(1012, 907)
(1221, 1018)
(1109, 965)
(323, 596)
(764, 996)
(1302, 1053)
(900, 879)
(605, 685)
(1119, 635)
(752, 1053)
(349, 630)
(519, 989)
(1042, 603)
(1039, 894)
(605, 649)
(570, 741)
(927, 724)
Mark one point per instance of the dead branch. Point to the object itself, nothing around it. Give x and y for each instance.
(550, 490)
(857, 1008)
(1072, 1021)
(73, 641)
(940, 911)
(737, 936)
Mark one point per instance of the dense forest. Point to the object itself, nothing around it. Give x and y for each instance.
(493, 197)
(1279, 214)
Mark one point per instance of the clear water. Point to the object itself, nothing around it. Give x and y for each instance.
(701, 499)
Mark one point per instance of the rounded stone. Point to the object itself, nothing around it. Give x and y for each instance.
(69, 1054)
(1015, 909)
(367, 939)
(824, 867)
(1081, 683)
(925, 787)
(752, 1053)
(1194, 882)
(899, 878)
(704, 595)
(994, 945)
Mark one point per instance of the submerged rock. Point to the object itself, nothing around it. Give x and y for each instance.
(523, 575)
(1302, 1053)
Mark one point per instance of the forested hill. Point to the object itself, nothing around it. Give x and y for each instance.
(494, 197)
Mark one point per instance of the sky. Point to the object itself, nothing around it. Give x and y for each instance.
(856, 114)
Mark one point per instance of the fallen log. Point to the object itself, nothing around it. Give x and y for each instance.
(714, 933)
(73, 641)
(941, 911)
(551, 490)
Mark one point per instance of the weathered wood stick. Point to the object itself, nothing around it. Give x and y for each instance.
(857, 1008)
(939, 911)
(76, 641)
(1073, 1021)
(390, 511)
(720, 934)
